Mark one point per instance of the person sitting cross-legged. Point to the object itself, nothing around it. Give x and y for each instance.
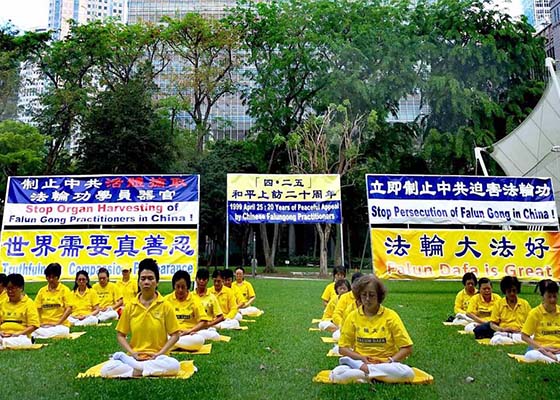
(110, 296)
(151, 324)
(18, 316)
(84, 302)
(373, 341)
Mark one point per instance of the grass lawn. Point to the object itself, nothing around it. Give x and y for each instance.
(277, 357)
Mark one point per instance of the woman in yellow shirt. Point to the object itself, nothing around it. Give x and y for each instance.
(543, 324)
(340, 287)
(84, 301)
(18, 316)
(373, 340)
(339, 273)
(151, 327)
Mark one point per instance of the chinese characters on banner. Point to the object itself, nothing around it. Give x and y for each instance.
(399, 199)
(433, 254)
(99, 200)
(53, 204)
(28, 252)
(275, 199)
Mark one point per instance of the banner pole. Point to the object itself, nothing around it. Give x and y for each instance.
(227, 241)
(341, 242)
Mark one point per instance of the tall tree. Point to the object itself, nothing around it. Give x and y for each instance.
(328, 144)
(205, 51)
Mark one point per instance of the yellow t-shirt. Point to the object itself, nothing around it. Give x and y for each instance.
(482, 309)
(3, 296)
(83, 304)
(52, 304)
(462, 301)
(506, 317)
(381, 335)
(238, 295)
(544, 325)
(189, 312)
(211, 304)
(17, 317)
(346, 303)
(128, 290)
(329, 309)
(108, 295)
(246, 289)
(227, 301)
(329, 292)
(148, 327)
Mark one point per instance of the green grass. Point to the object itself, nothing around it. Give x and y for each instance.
(277, 357)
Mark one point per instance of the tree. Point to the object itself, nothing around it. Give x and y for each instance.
(475, 65)
(22, 151)
(124, 134)
(205, 50)
(328, 144)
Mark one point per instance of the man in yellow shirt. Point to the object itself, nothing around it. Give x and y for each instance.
(481, 305)
(226, 298)
(244, 287)
(151, 326)
(228, 282)
(53, 304)
(463, 299)
(209, 301)
(127, 286)
(110, 297)
(18, 316)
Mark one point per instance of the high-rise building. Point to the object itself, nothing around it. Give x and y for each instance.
(537, 12)
(554, 50)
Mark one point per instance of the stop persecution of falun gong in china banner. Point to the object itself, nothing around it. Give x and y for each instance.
(44, 219)
(280, 199)
(473, 200)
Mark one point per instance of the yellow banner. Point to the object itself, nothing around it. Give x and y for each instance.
(449, 254)
(289, 188)
(29, 252)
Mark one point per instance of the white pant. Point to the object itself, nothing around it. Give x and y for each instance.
(107, 315)
(125, 366)
(501, 338)
(461, 319)
(209, 334)
(326, 325)
(470, 327)
(228, 324)
(391, 372)
(535, 355)
(15, 341)
(192, 342)
(336, 335)
(249, 310)
(89, 320)
(52, 331)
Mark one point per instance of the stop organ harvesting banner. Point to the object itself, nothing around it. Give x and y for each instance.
(275, 199)
(433, 254)
(472, 200)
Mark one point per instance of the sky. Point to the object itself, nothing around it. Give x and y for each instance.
(30, 14)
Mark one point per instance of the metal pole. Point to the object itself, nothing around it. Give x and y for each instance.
(227, 242)
(341, 243)
(254, 260)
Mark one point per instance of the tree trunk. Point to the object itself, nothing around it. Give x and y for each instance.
(338, 261)
(324, 232)
(269, 251)
(291, 240)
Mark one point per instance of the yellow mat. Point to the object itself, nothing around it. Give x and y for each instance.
(316, 320)
(521, 358)
(314, 330)
(34, 346)
(187, 369)
(223, 338)
(205, 349)
(241, 328)
(331, 353)
(464, 332)
(487, 343)
(254, 314)
(420, 378)
(248, 320)
(71, 336)
(328, 339)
